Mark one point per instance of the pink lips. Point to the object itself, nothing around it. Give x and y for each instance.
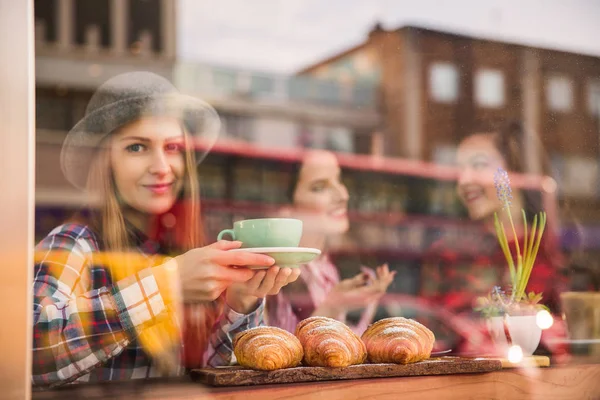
(339, 213)
(159, 188)
(472, 196)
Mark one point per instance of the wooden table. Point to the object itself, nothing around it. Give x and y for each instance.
(579, 381)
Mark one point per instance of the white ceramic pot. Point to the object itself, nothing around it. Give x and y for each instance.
(523, 330)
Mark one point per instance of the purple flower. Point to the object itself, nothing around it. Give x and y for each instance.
(502, 183)
(497, 290)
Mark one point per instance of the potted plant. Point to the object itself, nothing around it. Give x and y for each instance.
(512, 313)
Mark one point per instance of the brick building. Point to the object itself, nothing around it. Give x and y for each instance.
(80, 44)
(436, 86)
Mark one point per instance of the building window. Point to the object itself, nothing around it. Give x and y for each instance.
(444, 154)
(58, 109)
(340, 139)
(443, 82)
(237, 126)
(489, 88)
(364, 94)
(594, 97)
(275, 132)
(224, 81)
(298, 87)
(92, 25)
(53, 113)
(579, 177)
(559, 93)
(262, 85)
(310, 136)
(45, 20)
(145, 25)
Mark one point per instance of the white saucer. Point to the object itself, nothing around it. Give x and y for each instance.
(291, 257)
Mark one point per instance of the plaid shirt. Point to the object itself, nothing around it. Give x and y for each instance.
(86, 326)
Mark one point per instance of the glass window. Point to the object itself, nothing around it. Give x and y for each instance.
(559, 93)
(53, 112)
(299, 88)
(363, 94)
(443, 82)
(340, 139)
(391, 113)
(92, 26)
(260, 85)
(579, 177)
(489, 88)
(45, 19)
(311, 136)
(145, 21)
(275, 132)
(326, 91)
(224, 81)
(593, 89)
(237, 126)
(444, 154)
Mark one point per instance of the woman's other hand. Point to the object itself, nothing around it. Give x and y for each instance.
(243, 297)
(357, 292)
(383, 279)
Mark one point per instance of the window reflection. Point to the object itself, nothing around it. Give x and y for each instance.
(385, 151)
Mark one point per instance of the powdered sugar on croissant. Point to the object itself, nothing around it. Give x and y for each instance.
(267, 348)
(398, 340)
(329, 343)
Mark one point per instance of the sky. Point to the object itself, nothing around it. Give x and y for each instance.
(283, 36)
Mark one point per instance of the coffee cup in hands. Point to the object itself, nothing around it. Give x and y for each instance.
(265, 232)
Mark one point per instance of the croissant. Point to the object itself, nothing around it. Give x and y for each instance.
(267, 348)
(398, 340)
(329, 343)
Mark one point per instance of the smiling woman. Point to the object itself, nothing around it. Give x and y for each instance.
(457, 271)
(149, 169)
(320, 199)
(105, 282)
(478, 157)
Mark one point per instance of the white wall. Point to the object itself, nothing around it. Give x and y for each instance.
(17, 140)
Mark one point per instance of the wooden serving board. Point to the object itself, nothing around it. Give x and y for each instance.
(241, 376)
(527, 362)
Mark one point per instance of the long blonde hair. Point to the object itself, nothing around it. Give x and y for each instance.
(163, 340)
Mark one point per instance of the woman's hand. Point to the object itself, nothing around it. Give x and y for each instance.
(357, 292)
(205, 273)
(382, 279)
(244, 297)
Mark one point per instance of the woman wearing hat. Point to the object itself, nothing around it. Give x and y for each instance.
(106, 298)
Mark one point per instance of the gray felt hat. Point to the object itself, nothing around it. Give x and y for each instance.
(125, 98)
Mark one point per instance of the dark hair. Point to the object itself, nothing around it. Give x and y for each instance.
(294, 169)
(509, 140)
